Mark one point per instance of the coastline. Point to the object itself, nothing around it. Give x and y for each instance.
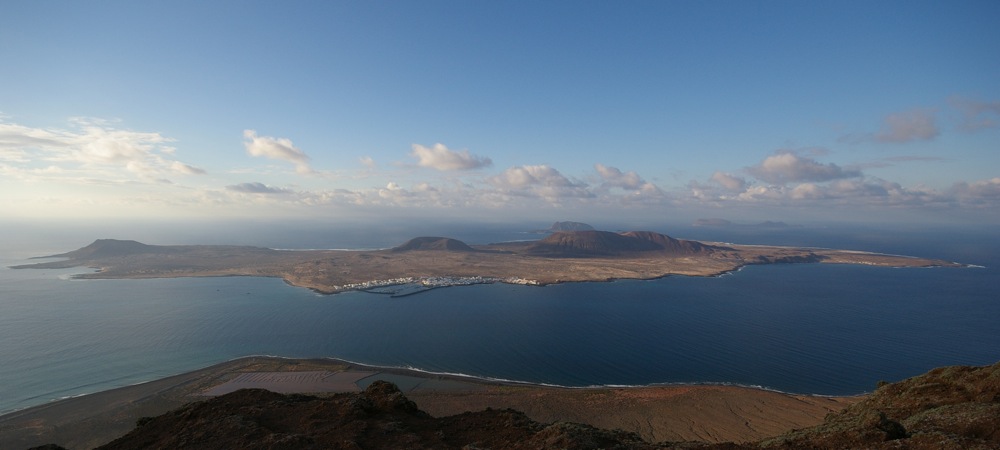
(373, 286)
(714, 413)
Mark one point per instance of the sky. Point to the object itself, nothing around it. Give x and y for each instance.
(639, 111)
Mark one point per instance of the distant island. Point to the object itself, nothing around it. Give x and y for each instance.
(570, 226)
(428, 262)
(723, 223)
(565, 226)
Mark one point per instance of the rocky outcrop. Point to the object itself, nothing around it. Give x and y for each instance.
(950, 407)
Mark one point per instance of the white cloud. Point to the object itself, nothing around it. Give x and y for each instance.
(539, 181)
(639, 188)
(186, 169)
(257, 188)
(855, 194)
(784, 168)
(276, 148)
(614, 177)
(440, 157)
(92, 146)
(980, 193)
(729, 181)
(528, 176)
(806, 191)
(368, 162)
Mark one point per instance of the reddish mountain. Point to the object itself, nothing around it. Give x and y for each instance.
(670, 244)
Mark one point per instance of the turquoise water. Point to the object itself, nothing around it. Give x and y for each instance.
(808, 328)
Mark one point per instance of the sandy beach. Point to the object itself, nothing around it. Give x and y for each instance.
(658, 413)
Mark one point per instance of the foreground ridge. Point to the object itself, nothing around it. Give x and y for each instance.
(947, 408)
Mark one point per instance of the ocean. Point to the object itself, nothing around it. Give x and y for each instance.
(803, 328)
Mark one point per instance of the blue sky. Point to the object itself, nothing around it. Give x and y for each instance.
(796, 111)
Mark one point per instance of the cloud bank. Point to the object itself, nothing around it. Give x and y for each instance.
(440, 157)
(92, 147)
(786, 167)
(130, 168)
(257, 188)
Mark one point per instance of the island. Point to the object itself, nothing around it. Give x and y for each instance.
(429, 262)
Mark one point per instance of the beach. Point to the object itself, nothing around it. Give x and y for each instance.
(713, 413)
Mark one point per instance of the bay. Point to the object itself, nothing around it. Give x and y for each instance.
(810, 328)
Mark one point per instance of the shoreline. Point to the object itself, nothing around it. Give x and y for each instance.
(424, 373)
(99, 273)
(685, 410)
(435, 264)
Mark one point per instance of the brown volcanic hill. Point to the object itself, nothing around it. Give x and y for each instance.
(670, 244)
(103, 248)
(379, 417)
(605, 243)
(434, 243)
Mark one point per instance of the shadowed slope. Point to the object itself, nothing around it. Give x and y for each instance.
(669, 244)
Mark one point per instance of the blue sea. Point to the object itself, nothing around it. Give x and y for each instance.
(804, 328)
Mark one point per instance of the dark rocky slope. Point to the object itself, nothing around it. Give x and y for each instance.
(947, 408)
